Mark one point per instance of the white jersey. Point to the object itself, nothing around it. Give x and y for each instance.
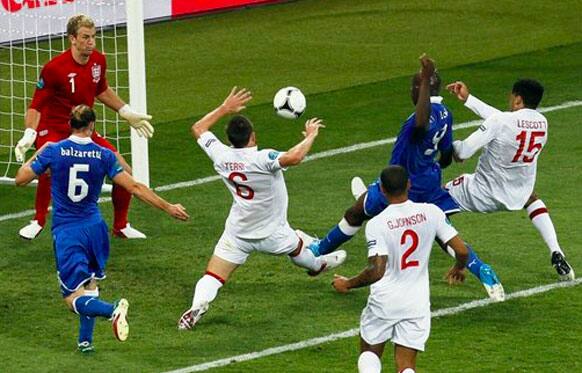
(512, 142)
(255, 180)
(405, 232)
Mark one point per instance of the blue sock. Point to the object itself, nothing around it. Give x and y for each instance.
(86, 326)
(334, 239)
(474, 264)
(92, 306)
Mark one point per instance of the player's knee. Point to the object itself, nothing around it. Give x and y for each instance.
(532, 198)
(355, 216)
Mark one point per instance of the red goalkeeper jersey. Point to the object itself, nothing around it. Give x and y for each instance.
(64, 84)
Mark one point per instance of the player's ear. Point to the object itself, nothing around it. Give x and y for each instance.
(408, 185)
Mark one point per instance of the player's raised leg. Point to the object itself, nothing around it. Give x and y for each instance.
(303, 257)
(540, 218)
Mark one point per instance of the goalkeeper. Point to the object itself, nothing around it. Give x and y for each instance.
(77, 76)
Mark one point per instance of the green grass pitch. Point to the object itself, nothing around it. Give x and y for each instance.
(353, 59)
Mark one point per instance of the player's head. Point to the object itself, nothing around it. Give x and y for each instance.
(240, 132)
(526, 93)
(395, 182)
(81, 33)
(435, 86)
(82, 119)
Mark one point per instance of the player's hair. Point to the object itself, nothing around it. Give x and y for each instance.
(434, 82)
(78, 21)
(531, 91)
(394, 180)
(239, 130)
(81, 117)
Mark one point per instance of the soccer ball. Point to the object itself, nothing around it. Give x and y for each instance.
(289, 102)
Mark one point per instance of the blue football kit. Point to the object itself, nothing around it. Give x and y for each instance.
(80, 236)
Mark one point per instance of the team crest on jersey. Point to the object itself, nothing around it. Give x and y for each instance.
(96, 72)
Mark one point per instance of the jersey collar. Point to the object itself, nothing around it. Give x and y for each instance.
(436, 99)
(80, 140)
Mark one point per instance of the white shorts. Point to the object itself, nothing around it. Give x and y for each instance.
(468, 196)
(412, 333)
(236, 250)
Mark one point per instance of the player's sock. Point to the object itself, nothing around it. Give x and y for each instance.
(206, 289)
(121, 199)
(92, 306)
(307, 259)
(474, 264)
(43, 199)
(86, 327)
(538, 213)
(339, 234)
(369, 362)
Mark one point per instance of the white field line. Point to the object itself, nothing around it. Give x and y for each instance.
(354, 332)
(324, 154)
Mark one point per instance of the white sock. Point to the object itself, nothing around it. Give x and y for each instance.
(408, 370)
(369, 362)
(538, 213)
(347, 229)
(306, 259)
(206, 290)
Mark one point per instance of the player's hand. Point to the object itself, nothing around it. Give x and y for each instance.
(138, 121)
(427, 67)
(24, 144)
(236, 100)
(459, 89)
(312, 127)
(178, 211)
(455, 275)
(340, 283)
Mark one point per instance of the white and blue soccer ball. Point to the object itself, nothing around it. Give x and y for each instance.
(289, 102)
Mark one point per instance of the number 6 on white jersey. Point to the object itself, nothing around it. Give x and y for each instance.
(75, 182)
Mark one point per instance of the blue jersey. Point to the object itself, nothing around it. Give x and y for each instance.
(78, 167)
(418, 155)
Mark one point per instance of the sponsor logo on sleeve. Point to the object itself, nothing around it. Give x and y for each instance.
(273, 155)
(209, 142)
(40, 83)
(483, 128)
(371, 244)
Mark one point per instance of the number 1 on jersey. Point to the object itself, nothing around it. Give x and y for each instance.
(404, 262)
(72, 81)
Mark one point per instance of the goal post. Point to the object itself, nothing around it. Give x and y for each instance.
(32, 32)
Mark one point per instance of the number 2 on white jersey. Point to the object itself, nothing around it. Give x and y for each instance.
(404, 262)
(75, 182)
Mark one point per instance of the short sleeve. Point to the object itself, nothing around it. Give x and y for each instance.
(43, 160)
(374, 240)
(444, 229)
(211, 145)
(112, 166)
(269, 160)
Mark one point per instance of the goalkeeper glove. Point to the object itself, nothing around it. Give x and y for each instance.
(137, 120)
(24, 144)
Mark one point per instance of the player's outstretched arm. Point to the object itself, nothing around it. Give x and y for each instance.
(456, 274)
(296, 154)
(147, 195)
(477, 106)
(467, 148)
(139, 121)
(31, 121)
(372, 273)
(423, 106)
(234, 103)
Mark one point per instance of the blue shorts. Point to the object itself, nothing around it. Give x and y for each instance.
(81, 254)
(375, 201)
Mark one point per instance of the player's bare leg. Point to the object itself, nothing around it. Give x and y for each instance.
(405, 359)
(121, 199)
(370, 355)
(218, 271)
(540, 218)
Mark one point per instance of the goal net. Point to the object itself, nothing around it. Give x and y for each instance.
(32, 33)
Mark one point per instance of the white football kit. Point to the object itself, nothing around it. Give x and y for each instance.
(506, 173)
(398, 307)
(258, 216)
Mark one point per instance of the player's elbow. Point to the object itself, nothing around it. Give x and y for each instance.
(377, 273)
(21, 179)
(196, 131)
